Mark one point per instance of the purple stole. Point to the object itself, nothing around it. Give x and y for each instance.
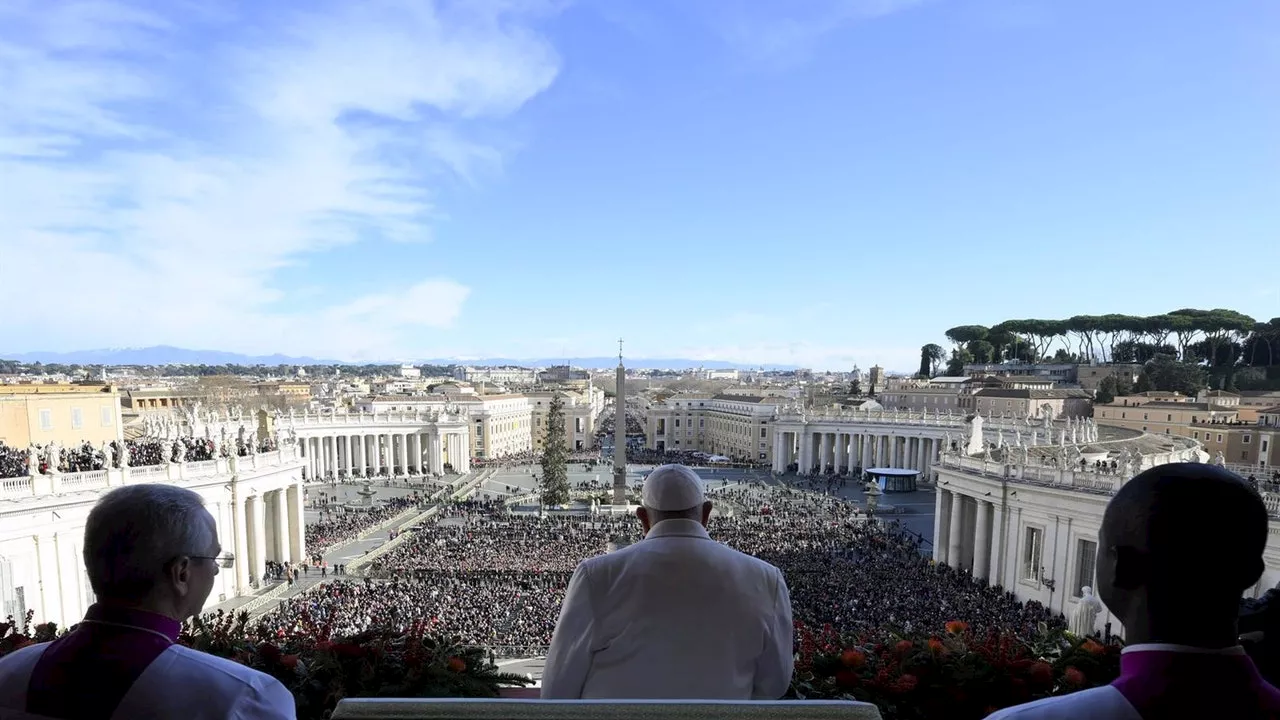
(85, 674)
(1171, 681)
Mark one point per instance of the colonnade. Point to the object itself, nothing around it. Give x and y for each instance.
(363, 454)
(816, 451)
(963, 529)
(269, 527)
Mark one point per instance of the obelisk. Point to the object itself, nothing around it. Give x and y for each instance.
(620, 434)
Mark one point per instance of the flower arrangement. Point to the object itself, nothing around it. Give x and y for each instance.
(320, 671)
(954, 674)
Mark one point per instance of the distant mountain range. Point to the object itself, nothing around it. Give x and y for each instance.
(168, 355)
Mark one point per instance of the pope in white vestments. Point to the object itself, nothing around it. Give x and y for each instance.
(676, 615)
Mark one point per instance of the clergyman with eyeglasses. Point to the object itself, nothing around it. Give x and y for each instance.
(151, 552)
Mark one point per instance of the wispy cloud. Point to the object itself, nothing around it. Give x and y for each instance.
(786, 34)
(161, 163)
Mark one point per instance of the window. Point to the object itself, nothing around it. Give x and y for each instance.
(1086, 565)
(108, 416)
(677, 422)
(46, 419)
(1032, 553)
(1219, 437)
(1245, 440)
(77, 418)
(1144, 416)
(1170, 417)
(1195, 436)
(1122, 415)
(763, 432)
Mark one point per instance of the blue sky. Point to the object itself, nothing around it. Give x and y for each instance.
(815, 182)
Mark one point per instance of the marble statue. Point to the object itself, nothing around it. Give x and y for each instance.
(1063, 456)
(1023, 455)
(293, 435)
(1085, 616)
(999, 437)
(1035, 438)
(1062, 438)
(240, 434)
(124, 455)
(165, 451)
(179, 452)
(946, 441)
(1220, 460)
(33, 460)
(986, 453)
(1017, 438)
(53, 456)
(1135, 464)
(1074, 434)
(108, 455)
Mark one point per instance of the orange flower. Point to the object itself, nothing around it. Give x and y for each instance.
(904, 646)
(1093, 647)
(1073, 676)
(457, 664)
(853, 659)
(846, 679)
(955, 627)
(1041, 672)
(935, 645)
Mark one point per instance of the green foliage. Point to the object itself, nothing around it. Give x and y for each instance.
(1167, 374)
(554, 482)
(855, 388)
(965, 334)
(930, 356)
(1116, 337)
(1106, 390)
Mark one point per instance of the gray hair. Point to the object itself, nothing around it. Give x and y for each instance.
(693, 513)
(134, 530)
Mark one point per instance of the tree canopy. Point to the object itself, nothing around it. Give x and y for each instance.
(1217, 338)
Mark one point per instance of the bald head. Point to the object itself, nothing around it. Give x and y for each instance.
(1179, 536)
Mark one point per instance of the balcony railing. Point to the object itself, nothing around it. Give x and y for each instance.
(51, 484)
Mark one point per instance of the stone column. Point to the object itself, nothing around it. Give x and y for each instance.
(919, 464)
(941, 524)
(777, 465)
(241, 543)
(433, 442)
(297, 524)
(982, 541)
(866, 451)
(415, 453)
(824, 447)
(279, 527)
(258, 545)
(955, 554)
(332, 455)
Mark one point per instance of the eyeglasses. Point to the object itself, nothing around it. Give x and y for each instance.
(224, 560)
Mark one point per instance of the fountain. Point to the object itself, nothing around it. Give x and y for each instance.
(366, 502)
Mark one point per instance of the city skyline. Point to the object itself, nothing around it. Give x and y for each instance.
(829, 184)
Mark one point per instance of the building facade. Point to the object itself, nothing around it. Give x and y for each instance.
(503, 375)
(582, 411)
(994, 402)
(940, 393)
(256, 501)
(736, 426)
(1033, 528)
(66, 414)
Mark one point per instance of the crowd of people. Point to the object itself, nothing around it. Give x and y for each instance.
(494, 578)
(339, 523)
(141, 452)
